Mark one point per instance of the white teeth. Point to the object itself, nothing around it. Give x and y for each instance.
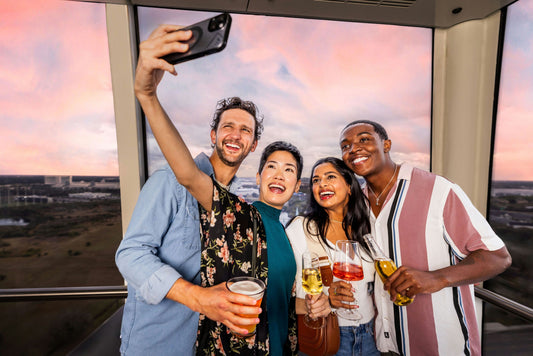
(360, 159)
(277, 186)
(232, 145)
(326, 193)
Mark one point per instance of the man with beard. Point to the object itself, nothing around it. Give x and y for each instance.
(443, 244)
(159, 256)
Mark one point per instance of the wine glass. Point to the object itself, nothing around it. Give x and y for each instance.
(312, 284)
(348, 267)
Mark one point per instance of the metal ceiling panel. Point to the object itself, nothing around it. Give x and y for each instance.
(425, 13)
(418, 13)
(206, 5)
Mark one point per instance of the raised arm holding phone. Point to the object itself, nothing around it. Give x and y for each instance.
(227, 220)
(160, 254)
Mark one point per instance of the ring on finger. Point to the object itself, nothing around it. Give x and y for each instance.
(335, 291)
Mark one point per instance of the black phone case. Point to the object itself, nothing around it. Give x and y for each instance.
(205, 39)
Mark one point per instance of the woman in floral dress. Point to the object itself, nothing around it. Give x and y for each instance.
(227, 239)
(227, 236)
(227, 221)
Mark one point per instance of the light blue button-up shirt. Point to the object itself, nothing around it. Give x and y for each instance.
(161, 245)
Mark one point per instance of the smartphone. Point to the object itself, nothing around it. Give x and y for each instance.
(208, 36)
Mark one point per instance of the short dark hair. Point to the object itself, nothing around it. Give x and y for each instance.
(380, 130)
(237, 103)
(282, 146)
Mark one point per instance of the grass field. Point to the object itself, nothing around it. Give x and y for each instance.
(64, 245)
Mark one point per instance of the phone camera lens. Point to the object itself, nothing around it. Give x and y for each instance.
(213, 25)
(217, 23)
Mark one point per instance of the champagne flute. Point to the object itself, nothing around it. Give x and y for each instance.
(312, 284)
(348, 267)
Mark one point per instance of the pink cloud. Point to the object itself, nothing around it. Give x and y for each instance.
(56, 89)
(299, 71)
(513, 145)
(59, 63)
(313, 77)
(345, 78)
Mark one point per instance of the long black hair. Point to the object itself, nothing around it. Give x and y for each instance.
(356, 222)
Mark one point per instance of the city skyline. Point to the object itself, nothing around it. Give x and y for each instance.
(57, 101)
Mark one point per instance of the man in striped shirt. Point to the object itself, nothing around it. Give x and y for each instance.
(443, 244)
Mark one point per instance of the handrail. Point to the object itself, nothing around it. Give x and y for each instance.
(61, 293)
(504, 303)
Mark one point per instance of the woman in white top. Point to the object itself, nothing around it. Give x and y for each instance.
(337, 211)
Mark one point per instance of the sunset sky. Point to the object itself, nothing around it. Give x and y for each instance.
(308, 77)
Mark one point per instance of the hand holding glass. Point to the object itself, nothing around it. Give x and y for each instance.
(312, 284)
(251, 287)
(348, 267)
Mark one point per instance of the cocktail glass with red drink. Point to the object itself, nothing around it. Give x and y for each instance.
(347, 266)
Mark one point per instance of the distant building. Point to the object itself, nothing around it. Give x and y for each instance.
(13, 222)
(284, 218)
(499, 192)
(67, 181)
(57, 181)
(521, 225)
(107, 184)
(79, 184)
(89, 195)
(33, 199)
(247, 189)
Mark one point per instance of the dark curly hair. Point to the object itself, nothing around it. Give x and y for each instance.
(237, 103)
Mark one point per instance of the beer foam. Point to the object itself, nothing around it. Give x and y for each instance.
(246, 287)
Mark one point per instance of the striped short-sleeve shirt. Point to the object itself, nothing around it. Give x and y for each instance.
(429, 223)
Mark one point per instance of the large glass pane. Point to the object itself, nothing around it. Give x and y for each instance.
(309, 78)
(511, 203)
(60, 220)
(58, 327)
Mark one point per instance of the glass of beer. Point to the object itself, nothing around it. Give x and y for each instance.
(251, 287)
(311, 284)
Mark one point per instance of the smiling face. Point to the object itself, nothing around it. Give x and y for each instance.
(278, 180)
(234, 137)
(363, 150)
(330, 190)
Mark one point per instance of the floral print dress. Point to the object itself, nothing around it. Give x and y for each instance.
(227, 245)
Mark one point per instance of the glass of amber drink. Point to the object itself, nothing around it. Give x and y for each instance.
(251, 287)
(385, 267)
